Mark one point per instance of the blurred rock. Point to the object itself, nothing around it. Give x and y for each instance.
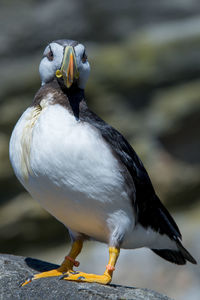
(23, 223)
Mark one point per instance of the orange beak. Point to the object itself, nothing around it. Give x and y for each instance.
(68, 70)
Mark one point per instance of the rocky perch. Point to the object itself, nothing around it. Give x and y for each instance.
(15, 269)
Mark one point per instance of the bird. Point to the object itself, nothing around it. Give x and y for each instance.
(85, 173)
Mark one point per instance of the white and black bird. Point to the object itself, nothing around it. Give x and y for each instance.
(84, 172)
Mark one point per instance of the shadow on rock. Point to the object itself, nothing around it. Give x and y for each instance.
(39, 265)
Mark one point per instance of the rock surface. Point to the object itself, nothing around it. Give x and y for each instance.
(15, 269)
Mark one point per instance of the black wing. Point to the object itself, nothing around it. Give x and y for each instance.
(151, 212)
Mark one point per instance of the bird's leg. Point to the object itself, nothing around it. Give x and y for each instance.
(67, 264)
(103, 279)
(69, 260)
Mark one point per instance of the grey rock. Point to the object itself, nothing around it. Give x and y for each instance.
(15, 269)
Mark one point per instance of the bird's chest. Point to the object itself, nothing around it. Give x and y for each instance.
(51, 140)
(69, 151)
(64, 163)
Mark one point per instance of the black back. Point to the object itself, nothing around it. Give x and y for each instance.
(149, 210)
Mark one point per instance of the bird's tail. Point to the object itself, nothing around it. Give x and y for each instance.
(179, 256)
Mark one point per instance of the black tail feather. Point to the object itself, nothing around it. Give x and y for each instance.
(170, 255)
(179, 257)
(185, 253)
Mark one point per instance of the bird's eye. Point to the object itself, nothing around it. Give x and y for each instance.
(50, 55)
(84, 57)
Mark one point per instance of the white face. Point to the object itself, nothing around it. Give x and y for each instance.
(52, 61)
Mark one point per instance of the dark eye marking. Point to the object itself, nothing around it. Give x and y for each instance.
(84, 57)
(50, 54)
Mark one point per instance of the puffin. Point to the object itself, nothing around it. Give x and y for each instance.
(85, 173)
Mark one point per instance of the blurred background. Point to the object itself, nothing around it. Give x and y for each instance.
(145, 81)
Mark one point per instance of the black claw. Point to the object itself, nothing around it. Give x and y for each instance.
(74, 272)
(63, 276)
(81, 277)
(28, 280)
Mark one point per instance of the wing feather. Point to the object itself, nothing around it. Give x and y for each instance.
(151, 212)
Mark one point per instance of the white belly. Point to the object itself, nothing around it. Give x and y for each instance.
(71, 172)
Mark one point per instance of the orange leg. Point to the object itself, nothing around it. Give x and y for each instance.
(103, 279)
(67, 264)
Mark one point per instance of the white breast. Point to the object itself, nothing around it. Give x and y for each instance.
(68, 167)
(71, 172)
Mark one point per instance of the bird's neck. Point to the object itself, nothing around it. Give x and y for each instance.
(72, 98)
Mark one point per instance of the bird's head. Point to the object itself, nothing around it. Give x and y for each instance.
(67, 61)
